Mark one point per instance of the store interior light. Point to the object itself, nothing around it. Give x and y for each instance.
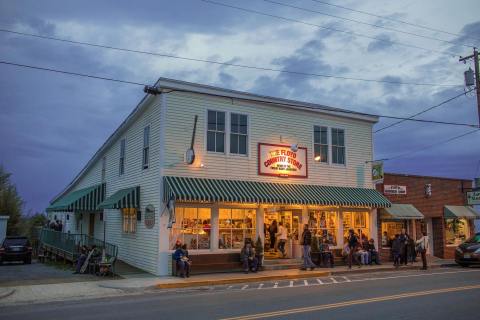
(202, 165)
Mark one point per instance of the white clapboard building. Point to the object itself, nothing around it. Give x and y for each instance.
(229, 164)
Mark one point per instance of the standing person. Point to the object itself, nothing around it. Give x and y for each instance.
(404, 247)
(411, 253)
(396, 250)
(352, 241)
(306, 244)
(272, 230)
(422, 245)
(60, 226)
(282, 238)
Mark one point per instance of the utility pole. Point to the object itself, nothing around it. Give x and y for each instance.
(477, 76)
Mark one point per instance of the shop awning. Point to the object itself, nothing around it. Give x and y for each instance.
(86, 199)
(452, 212)
(124, 198)
(401, 212)
(215, 190)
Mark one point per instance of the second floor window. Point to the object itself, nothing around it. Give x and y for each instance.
(238, 134)
(216, 131)
(121, 165)
(338, 146)
(146, 147)
(104, 168)
(320, 144)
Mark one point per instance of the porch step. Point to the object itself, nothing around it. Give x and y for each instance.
(281, 264)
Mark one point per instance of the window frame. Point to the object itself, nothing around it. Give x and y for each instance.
(344, 164)
(327, 145)
(122, 156)
(238, 134)
(225, 131)
(231, 229)
(129, 220)
(104, 168)
(146, 148)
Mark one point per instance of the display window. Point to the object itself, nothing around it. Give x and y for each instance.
(192, 227)
(324, 224)
(129, 220)
(358, 221)
(235, 225)
(456, 231)
(389, 230)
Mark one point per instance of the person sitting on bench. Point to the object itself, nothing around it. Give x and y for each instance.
(247, 255)
(183, 268)
(325, 253)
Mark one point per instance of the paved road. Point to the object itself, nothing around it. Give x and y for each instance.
(450, 293)
(17, 274)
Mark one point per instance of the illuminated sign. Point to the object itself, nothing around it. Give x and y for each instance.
(281, 161)
(394, 189)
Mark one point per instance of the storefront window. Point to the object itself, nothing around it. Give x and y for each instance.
(389, 230)
(324, 224)
(235, 225)
(358, 221)
(129, 220)
(192, 227)
(456, 231)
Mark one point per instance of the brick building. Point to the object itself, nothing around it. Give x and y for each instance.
(441, 201)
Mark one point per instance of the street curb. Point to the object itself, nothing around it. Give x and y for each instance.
(308, 274)
(6, 293)
(367, 270)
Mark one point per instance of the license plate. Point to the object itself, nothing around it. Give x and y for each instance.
(467, 256)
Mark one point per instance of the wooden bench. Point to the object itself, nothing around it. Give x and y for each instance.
(212, 263)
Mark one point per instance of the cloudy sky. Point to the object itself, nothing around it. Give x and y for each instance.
(51, 124)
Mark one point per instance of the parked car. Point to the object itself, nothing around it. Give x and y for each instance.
(468, 253)
(16, 249)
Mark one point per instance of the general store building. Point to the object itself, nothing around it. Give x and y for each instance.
(257, 159)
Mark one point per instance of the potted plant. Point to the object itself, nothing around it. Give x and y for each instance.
(259, 251)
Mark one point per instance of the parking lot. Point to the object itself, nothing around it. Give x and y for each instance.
(15, 274)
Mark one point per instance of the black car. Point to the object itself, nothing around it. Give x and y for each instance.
(16, 249)
(468, 253)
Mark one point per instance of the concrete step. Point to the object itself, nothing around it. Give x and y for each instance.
(281, 261)
(281, 266)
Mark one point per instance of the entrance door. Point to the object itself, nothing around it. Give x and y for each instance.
(91, 225)
(291, 221)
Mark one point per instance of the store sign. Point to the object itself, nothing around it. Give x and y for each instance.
(377, 172)
(282, 161)
(149, 216)
(394, 189)
(473, 197)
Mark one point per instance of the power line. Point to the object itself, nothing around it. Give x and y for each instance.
(425, 110)
(164, 55)
(395, 20)
(356, 34)
(430, 146)
(256, 100)
(369, 24)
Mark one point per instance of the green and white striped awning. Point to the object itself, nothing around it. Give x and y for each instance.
(124, 198)
(214, 190)
(86, 199)
(454, 212)
(401, 212)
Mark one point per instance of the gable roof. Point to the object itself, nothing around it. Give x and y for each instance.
(166, 85)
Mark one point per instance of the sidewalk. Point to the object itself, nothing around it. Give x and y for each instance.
(137, 285)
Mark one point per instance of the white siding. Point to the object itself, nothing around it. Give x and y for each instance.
(268, 124)
(139, 249)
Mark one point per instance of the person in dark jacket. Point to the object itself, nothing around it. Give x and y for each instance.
(374, 256)
(396, 250)
(183, 268)
(273, 230)
(411, 252)
(248, 257)
(306, 244)
(325, 253)
(353, 243)
(403, 247)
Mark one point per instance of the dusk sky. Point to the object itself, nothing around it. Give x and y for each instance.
(51, 124)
